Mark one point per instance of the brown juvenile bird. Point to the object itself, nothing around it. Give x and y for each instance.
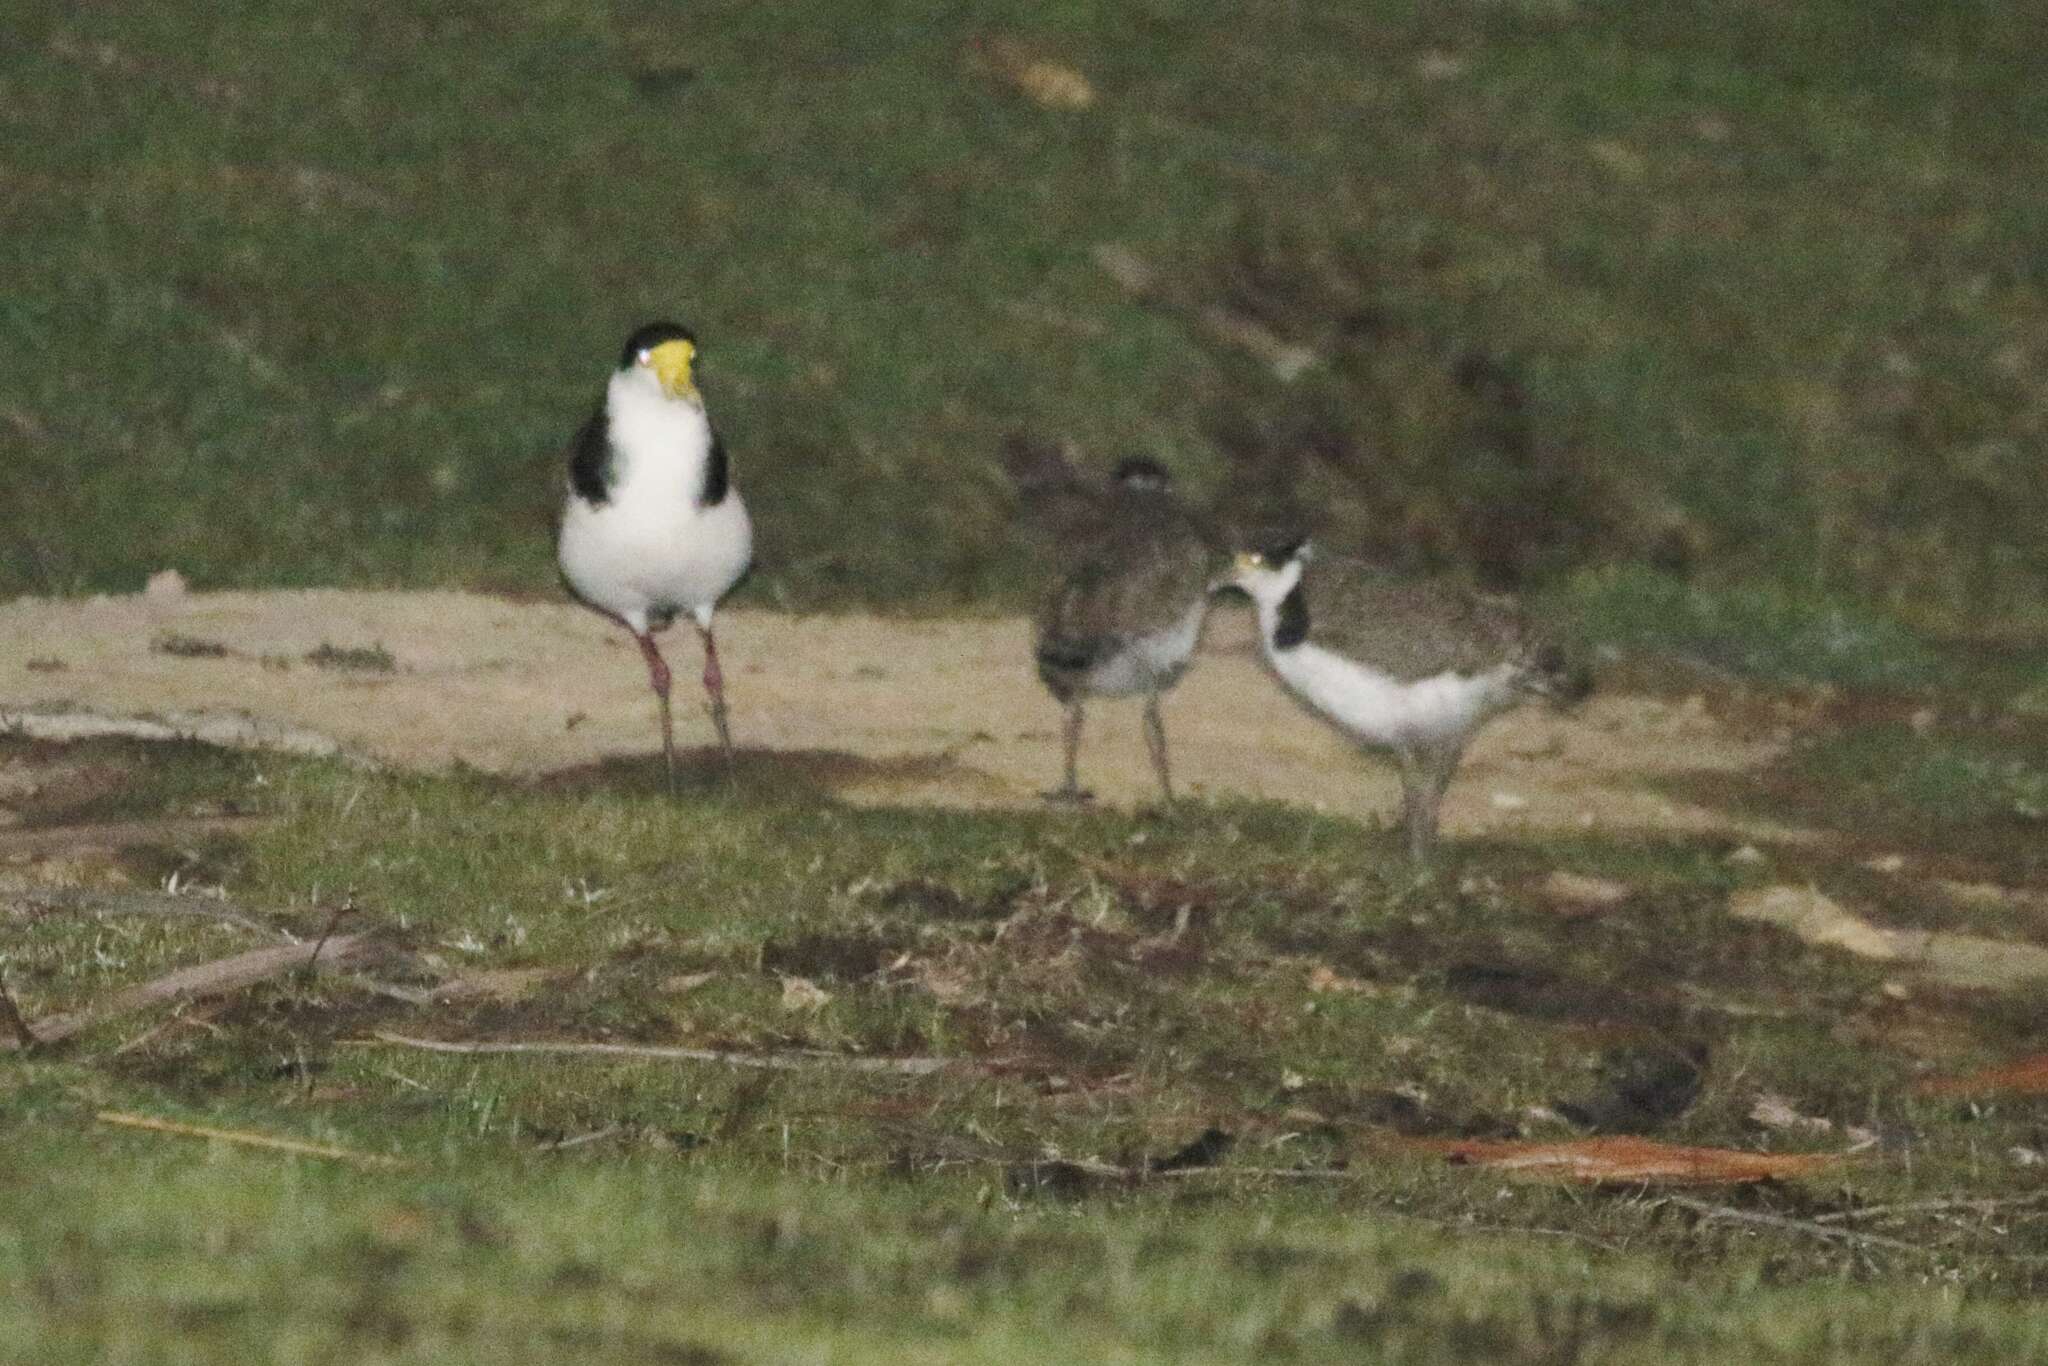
(1127, 611)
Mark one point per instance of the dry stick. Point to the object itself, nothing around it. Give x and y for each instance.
(141, 903)
(205, 979)
(122, 834)
(1979, 1206)
(162, 1027)
(25, 1038)
(248, 1139)
(1789, 1225)
(908, 1067)
(346, 908)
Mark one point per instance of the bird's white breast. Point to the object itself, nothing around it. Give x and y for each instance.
(1382, 710)
(1153, 661)
(649, 549)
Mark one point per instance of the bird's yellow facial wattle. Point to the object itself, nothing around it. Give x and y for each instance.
(671, 363)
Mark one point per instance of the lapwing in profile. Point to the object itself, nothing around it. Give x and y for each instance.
(1123, 620)
(652, 527)
(1415, 667)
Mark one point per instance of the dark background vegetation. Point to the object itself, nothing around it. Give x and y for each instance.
(1746, 292)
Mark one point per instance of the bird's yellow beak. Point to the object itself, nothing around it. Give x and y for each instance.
(671, 363)
(1246, 561)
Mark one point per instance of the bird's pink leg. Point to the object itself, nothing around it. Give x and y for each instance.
(658, 676)
(714, 686)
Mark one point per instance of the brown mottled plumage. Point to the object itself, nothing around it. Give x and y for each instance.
(1411, 629)
(1128, 609)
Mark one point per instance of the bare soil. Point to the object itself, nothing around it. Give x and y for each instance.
(872, 709)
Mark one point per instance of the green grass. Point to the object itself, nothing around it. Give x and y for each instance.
(1136, 979)
(311, 294)
(1762, 632)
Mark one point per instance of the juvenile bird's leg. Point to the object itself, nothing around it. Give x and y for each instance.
(714, 685)
(1445, 760)
(1070, 790)
(657, 674)
(1419, 795)
(1155, 741)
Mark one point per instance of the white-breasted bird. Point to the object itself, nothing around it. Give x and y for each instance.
(652, 526)
(1412, 666)
(1127, 611)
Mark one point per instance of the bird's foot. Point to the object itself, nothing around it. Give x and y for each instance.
(1068, 795)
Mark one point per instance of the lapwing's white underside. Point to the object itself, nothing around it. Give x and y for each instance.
(652, 528)
(650, 551)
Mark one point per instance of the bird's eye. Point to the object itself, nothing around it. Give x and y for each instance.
(645, 355)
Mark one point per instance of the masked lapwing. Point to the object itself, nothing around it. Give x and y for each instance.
(652, 527)
(1135, 566)
(1414, 667)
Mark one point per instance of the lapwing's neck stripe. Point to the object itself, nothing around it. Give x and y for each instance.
(717, 474)
(590, 461)
(1292, 627)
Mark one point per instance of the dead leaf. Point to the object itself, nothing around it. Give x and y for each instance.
(2027, 1077)
(1130, 270)
(1775, 1112)
(1046, 83)
(1439, 66)
(686, 982)
(1957, 960)
(945, 981)
(1324, 978)
(1287, 360)
(1626, 1161)
(498, 984)
(1619, 159)
(801, 993)
(1576, 894)
(1815, 918)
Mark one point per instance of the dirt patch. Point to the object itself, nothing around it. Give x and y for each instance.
(870, 709)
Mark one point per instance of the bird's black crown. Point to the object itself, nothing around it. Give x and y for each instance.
(650, 335)
(1278, 550)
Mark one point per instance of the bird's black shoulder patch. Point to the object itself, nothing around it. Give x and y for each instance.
(1292, 628)
(590, 460)
(717, 474)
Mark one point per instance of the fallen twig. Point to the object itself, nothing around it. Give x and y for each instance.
(204, 979)
(123, 834)
(156, 1031)
(1787, 1224)
(248, 1139)
(908, 1067)
(142, 903)
(343, 911)
(1986, 1205)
